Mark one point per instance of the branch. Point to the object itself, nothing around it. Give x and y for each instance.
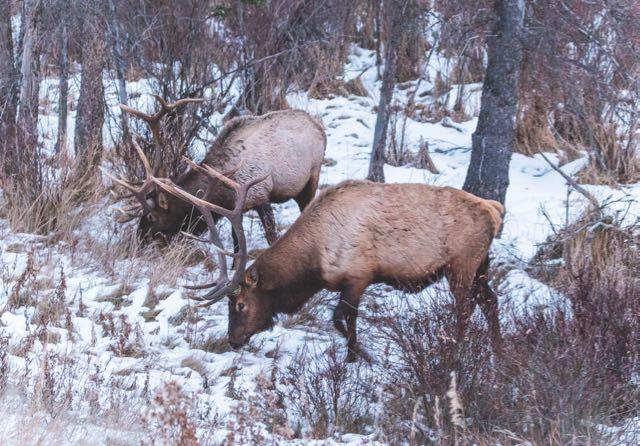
(585, 193)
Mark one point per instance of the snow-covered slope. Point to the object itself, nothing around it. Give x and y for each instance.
(124, 328)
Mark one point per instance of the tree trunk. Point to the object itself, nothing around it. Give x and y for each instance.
(120, 65)
(91, 105)
(26, 156)
(377, 19)
(63, 63)
(8, 95)
(488, 174)
(393, 10)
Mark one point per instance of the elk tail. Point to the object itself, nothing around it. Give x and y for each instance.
(496, 211)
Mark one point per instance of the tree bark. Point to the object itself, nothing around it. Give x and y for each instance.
(63, 64)
(488, 174)
(394, 11)
(8, 95)
(27, 122)
(120, 65)
(91, 105)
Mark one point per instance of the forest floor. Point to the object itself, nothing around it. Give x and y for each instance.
(103, 348)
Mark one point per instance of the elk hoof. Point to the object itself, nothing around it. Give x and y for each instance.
(353, 353)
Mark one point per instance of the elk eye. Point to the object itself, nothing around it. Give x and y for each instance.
(240, 306)
(151, 218)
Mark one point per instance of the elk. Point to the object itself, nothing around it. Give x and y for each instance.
(360, 233)
(288, 144)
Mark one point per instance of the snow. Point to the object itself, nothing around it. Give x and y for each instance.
(165, 345)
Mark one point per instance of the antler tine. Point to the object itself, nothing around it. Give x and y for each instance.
(240, 189)
(169, 186)
(223, 286)
(125, 218)
(243, 190)
(138, 113)
(193, 237)
(199, 168)
(154, 121)
(194, 165)
(138, 192)
(210, 171)
(204, 286)
(121, 182)
(119, 197)
(166, 107)
(145, 161)
(215, 296)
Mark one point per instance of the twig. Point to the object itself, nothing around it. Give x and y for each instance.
(585, 193)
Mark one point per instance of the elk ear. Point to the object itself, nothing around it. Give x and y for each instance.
(162, 200)
(251, 277)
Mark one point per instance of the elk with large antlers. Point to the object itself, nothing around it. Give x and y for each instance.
(359, 233)
(222, 286)
(288, 146)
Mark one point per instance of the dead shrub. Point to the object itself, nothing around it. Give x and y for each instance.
(532, 131)
(330, 88)
(417, 338)
(23, 293)
(127, 339)
(58, 205)
(50, 310)
(325, 395)
(613, 157)
(564, 371)
(170, 417)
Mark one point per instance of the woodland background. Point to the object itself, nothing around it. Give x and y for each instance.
(89, 313)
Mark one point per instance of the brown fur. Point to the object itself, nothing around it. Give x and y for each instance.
(290, 144)
(359, 233)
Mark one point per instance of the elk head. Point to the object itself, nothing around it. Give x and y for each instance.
(248, 312)
(160, 213)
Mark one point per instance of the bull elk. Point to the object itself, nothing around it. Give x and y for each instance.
(289, 145)
(360, 233)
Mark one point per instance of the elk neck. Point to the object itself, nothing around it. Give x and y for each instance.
(288, 273)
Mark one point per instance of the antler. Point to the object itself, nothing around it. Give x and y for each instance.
(154, 121)
(140, 193)
(223, 285)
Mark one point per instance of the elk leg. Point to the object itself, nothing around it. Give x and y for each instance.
(265, 212)
(338, 319)
(488, 301)
(465, 303)
(349, 302)
(308, 193)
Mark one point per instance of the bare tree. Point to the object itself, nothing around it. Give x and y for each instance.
(119, 60)
(8, 93)
(27, 122)
(493, 140)
(394, 10)
(91, 105)
(63, 66)
(30, 77)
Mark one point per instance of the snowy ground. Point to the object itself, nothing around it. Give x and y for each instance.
(126, 328)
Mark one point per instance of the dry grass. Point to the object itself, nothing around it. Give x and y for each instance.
(63, 200)
(614, 158)
(331, 88)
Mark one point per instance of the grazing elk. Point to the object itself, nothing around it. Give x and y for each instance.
(359, 233)
(288, 144)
